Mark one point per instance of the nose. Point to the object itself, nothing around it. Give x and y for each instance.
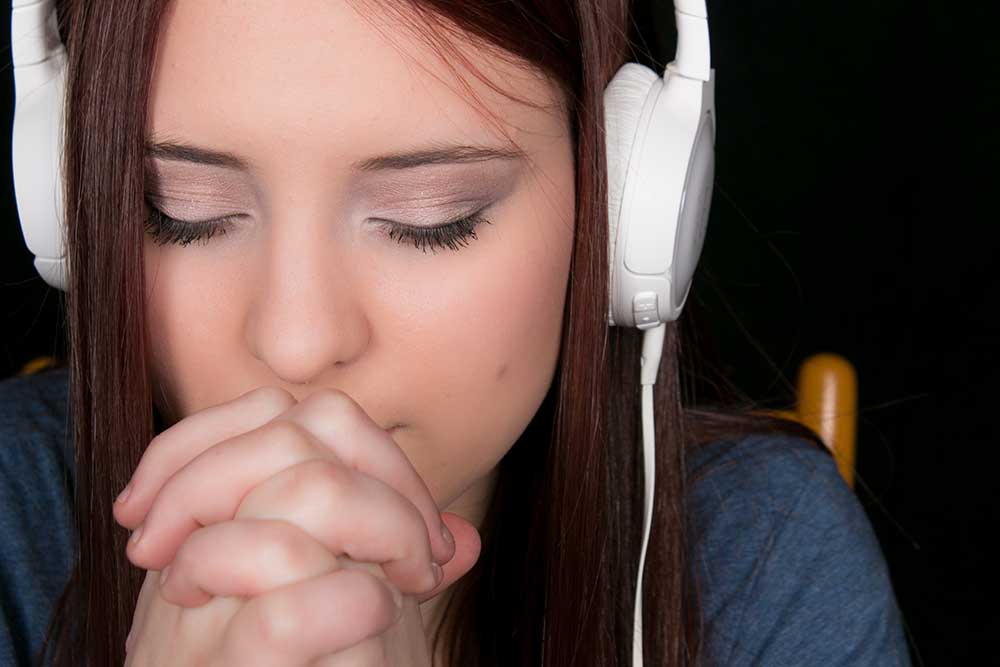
(306, 315)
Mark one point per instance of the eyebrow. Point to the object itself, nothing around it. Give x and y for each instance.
(441, 154)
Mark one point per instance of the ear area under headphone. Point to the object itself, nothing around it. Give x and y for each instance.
(660, 143)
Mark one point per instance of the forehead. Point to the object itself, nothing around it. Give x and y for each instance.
(333, 76)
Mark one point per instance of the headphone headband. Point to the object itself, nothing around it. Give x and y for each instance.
(34, 35)
(693, 58)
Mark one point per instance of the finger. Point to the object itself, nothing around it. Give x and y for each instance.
(468, 546)
(340, 424)
(349, 513)
(141, 606)
(210, 488)
(298, 623)
(182, 442)
(242, 558)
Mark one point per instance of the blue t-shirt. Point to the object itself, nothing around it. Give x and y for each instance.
(789, 568)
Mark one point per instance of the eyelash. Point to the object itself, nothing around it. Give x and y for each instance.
(453, 235)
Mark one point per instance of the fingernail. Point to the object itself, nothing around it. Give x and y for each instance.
(397, 597)
(446, 534)
(136, 536)
(123, 496)
(164, 575)
(438, 574)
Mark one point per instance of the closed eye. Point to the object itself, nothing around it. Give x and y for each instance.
(451, 235)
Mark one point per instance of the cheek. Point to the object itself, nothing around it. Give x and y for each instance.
(483, 351)
(190, 328)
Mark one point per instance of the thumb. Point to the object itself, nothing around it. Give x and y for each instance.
(467, 547)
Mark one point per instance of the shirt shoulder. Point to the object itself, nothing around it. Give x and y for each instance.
(788, 566)
(37, 485)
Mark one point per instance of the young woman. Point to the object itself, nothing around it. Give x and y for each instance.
(338, 324)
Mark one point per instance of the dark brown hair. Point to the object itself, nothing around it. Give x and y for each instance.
(555, 581)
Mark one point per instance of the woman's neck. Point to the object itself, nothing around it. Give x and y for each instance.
(432, 611)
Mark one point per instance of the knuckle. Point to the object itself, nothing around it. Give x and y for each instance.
(189, 553)
(282, 550)
(322, 483)
(334, 407)
(329, 400)
(290, 434)
(272, 399)
(158, 441)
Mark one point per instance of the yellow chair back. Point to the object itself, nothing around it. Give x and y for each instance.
(827, 402)
(37, 365)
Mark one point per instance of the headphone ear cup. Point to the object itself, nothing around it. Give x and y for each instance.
(693, 220)
(624, 98)
(36, 148)
(39, 60)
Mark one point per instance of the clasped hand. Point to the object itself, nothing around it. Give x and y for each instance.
(284, 533)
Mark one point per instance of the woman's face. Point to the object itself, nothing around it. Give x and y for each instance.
(306, 289)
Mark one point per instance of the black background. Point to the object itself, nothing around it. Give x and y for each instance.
(852, 213)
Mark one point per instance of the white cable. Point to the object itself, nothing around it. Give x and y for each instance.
(652, 348)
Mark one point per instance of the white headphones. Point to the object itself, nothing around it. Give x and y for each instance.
(660, 133)
(661, 168)
(39, 82)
